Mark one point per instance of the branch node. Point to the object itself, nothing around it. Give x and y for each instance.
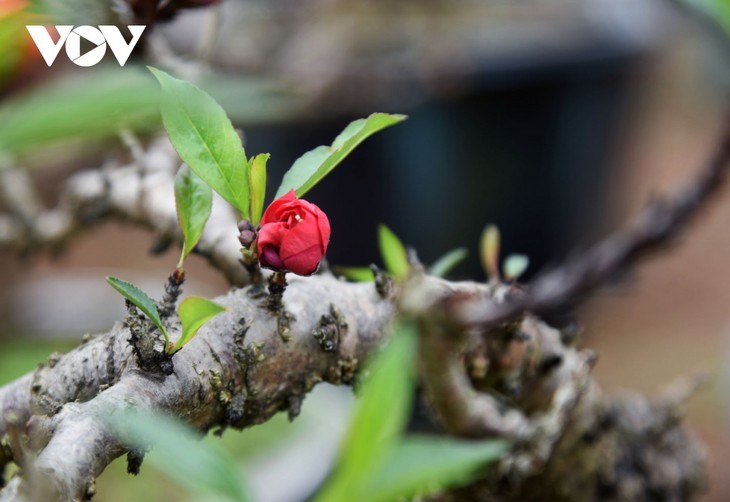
(284, 320)
(294, 406)
(344, 372)
(331, 328)
(236, 410)
(144, 344)
(254, 354)
(90, 490)
(383, 282)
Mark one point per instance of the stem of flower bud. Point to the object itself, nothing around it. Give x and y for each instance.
(277, 286)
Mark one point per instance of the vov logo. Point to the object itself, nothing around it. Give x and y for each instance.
(101, 37)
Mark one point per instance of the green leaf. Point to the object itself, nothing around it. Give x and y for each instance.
(257, 183)
(380, 416)
(421, 465)
(489, 251)
(393, 253)
(383, 408)
(447, 262)
(194, 200)
(514, 266)
(178, 452)
(205, 139)
(86, 107)
(140, 299)
(194, 311)
(310, 168)
(357, 274)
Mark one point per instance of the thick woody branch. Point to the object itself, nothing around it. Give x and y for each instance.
(237, 372)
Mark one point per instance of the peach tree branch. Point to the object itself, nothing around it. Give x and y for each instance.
(140, 192)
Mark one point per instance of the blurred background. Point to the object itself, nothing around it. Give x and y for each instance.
(555, 120)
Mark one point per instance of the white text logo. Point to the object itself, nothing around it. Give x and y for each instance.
(71, 37)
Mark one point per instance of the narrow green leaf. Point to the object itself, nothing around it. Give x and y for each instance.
(205, 139)
(140, 299)
(310, 168)
(380, 416)
(514, 266)
(194, 311)
(257, 182)
(357, 274)
(448, 262)
(393, 253)
(178, 452)
(194, 200)
(489, 251)
(383, 408)
(421, 465)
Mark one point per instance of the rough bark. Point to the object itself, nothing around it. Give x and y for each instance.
(519, 381)
(237, 372)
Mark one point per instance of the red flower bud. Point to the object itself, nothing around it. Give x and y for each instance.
(294, 236)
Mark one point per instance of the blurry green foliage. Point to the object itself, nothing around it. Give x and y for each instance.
(448, 262)
(422, 464)
(377, 463)
(23, 355)
(489, 246)
(393, 253)
(79, 107)
(201, 466)
(356, 274)
(514, 266)
(97, 103)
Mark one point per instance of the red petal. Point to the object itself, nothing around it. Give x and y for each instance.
(324, 230)
(270, 234)
(301, 247)
(305, 262)
(272, 212)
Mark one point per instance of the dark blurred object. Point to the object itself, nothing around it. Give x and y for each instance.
(513, 118)
(149, 12)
